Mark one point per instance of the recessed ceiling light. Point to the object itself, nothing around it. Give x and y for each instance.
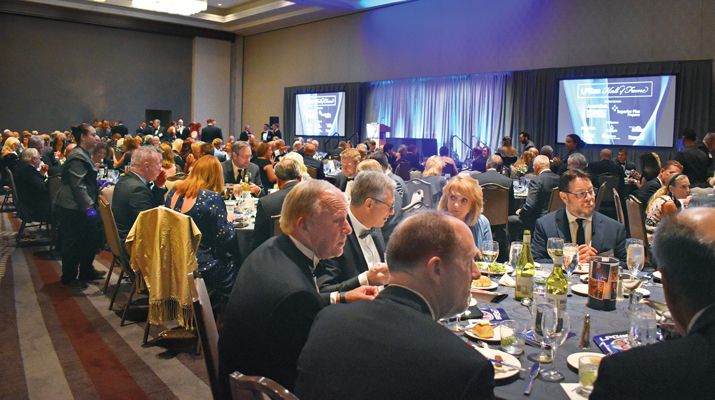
(219, 4)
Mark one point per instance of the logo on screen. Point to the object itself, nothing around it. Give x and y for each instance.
(611, 90)
(322, 101)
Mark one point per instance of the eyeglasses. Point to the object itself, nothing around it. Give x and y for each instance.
(582, 195)
(392, 206)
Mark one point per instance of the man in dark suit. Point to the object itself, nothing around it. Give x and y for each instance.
(414, 158)
(287, 176)
(245, 135)
(275, 132)
(275, 298)
(578, 223)
(392, 347)
(160, 132)
(606, 166)
(363, 259)
(310, 161)
(182, 132)
(623, 162)
(235, 169)
(349, 160)
(682, 368)
(537, 202)
(141, 131)
(31, 185)
(493, 175)
(649, 188)
(707, 146)
(211, 132)
(141, 189)
(695, 162)
(402, 195)
(120, 129)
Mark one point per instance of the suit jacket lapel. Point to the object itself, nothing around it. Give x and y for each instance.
(358, 256)
(562, 225)
(597, 233)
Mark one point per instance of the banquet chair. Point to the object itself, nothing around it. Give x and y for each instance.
(608, 206)
(599, 196)
(119, 256)
(313, 172)
(619, 207)
(555, 203)
(637, 224)
(54, 183)
(206, 326)
(415, 185)
(276, 225)
(402, 169)
(496, 203)
(22, 212)
(245, 387)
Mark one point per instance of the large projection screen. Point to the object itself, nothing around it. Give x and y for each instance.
(320, 114)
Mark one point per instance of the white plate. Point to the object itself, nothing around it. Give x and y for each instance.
(472, 302)
(584, 278)
(581, 289)
(470, 333)
(504, 372)
(494, 285)
(582, 269)
(483, 269)
(573, 358)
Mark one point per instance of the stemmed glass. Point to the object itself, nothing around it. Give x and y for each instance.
(537, 325)
(490, 252)
(514, 252)
(553, 245)
(635, 256)
(555, 326)
(570, 261)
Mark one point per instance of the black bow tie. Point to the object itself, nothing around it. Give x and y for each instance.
(367, 232)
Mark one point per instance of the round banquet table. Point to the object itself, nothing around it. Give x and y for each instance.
(602, 322)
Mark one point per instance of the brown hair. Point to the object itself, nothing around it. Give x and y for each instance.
(167, 156)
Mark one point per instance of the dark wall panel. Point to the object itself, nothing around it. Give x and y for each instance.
(54, 74)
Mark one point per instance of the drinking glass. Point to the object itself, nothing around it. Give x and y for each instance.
(537, 327)
(556, 325)
(553, 245)
(587, 373)
(490, 252)
(513, 336)
(635, 256)
(514, 252)
(570, 261)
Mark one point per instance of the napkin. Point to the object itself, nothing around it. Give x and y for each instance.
(571, 390)
(507, 280)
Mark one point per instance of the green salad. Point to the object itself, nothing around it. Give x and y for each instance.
(495, 267)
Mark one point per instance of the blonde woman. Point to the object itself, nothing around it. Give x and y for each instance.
(9, 157)
(671, 197)
(369, 165)
(297, 157)
(463, 199)
(433, 176)
(198, 197)
(167, 159)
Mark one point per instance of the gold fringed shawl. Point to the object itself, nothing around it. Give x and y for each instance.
(162, 244)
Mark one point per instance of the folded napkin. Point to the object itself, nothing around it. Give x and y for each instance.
(507, 280)
(571, 390)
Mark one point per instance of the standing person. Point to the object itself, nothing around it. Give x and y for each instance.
(695, 161)
(275, 132)
(573, 144)
(245, 134)
(160, 131)
(195, 131)
(182, 132)
(141, 131)
(525, 139)
(75, 205)
(211, 132)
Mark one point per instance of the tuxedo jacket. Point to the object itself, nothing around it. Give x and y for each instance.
(243, 137)
(695, 164)
(34, 192)
(309, 161)
(252, 169)
(163, 135)
(629, 165)
(341, 181)
(648, 190)
(182, 133)
(210, 132)
(341, 273)
(676, 369)
(389, 348)
(537, 202)
(606, 167)
(269, 313)
(607, 234)
(401, 189)
(141, 132)
(132, 196)
(269, 206)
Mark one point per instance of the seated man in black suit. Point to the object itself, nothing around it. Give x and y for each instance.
(134, 192)
(578, 161)
(402, 195)
(649, 188)
(393, 347)
(363, 258)
(684, 246)
(537, 202)
(31, 185)
(235, 169)
(413, 158)
(287, 176)
(622, 160)
(578, 223)
(349, 160)
(275, 298)
(493, 175)
(310, 161)
(606, 166)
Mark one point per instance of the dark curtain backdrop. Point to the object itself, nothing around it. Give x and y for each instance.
(535, 101)
(354, 116)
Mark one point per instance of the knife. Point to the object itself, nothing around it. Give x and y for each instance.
(532, 375)
(506, 365)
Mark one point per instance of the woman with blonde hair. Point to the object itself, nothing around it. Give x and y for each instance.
(433, 176)
(167, 159)
(521, 167)
(463, 199)
(199, 197)
(671, 197)
(297, 157)
(369, 165)
(9, 157)
(130, 144)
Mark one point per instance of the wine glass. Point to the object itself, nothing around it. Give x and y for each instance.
(490, 252)
(553, 245)
(542, 309)
(635, 256)
(555, 326)
(514, 252)
(570, 260)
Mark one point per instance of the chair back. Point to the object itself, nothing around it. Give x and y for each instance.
(312, 172)
(496, 203)
(619, 207)
(206, 326)
(55, 184)
(612, 182)
(112, 234)
(21, 211)
(599, 196)
(245, 387)
(555, 203)
(415, 185)
(637, 223)
(416, 174)
(276, 225)
(403, 169)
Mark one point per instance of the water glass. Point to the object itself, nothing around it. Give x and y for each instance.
(513, 336)
(556, 326)
(644, 327)
(570, 260)
(635, 256)
(514, 252)
(540, 310)
(587, 373)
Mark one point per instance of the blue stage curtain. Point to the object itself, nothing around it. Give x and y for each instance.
(475, 108)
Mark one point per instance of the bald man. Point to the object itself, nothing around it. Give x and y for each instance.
(606, 166)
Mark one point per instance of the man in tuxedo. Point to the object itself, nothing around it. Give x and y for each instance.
(525, 139)
(649, 188)
(235, 169)
(695, 162)
(32, 186)
(393, 347)
(182, 132)
(120, 129)
(606, 166)
(402, 195)
(150, 128)
(275, 298)
(623, 162)
(579, 223)
(537, 202)
(363, 259)
(264, 133)
(244, 136)
(684, 246)
(349, 160)
(160, 132)
(141, 131)
(211, 132)
(493, 175)
(287, 176)
(275, 132)
(310, 161)
(141, 189)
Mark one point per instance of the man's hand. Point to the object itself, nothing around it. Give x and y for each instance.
(160, 180)
(585, 252)
(254, 188)
(379, 274)
(518, 211)
(556, 159)
(361, 293)
(686, 201)
(44, 168)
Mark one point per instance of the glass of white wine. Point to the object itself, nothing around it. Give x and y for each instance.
(635, 256)
(553, 245)
(490, 252)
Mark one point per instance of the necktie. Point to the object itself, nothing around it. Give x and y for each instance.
(580, 234)
(367, 232)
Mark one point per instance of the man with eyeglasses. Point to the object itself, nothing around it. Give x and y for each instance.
(579, 223)
(239, 166)
(363, 260)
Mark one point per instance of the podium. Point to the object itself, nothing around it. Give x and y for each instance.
(377, 131)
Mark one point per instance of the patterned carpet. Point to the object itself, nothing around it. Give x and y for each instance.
(62, 344)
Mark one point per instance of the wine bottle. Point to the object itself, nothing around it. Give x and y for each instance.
(525, 271)
(556, 283)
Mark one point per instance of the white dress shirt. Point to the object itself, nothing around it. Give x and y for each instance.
(310, 254)
(574, 227)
